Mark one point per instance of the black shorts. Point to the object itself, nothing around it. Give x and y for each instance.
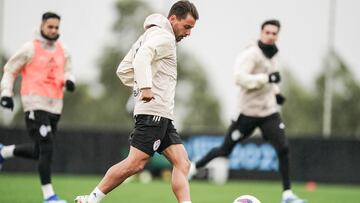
(153, 134)
(41, 125)
(272, 128)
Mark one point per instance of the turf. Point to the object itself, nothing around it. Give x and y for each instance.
(24, 188)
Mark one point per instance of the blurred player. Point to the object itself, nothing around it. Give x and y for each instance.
(45, 69)
(257, 76)
(150, 68)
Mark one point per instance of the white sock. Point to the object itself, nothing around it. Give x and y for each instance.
(47, 190)
(287, 194)
(96, 196)
(7, 151)
(187, 202)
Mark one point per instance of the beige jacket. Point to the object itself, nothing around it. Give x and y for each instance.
(20, 60)
(151, 63)
(257, 95)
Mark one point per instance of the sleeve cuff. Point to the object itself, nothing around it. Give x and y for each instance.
(263, 78)
(7, 93)
(70, 77)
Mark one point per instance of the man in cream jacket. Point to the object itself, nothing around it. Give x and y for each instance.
(150, 68)
(257, 76)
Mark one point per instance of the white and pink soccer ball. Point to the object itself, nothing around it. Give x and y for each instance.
(246, 199)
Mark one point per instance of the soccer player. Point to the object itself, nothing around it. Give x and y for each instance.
(150, 67)
(257, 76)
(45, 67)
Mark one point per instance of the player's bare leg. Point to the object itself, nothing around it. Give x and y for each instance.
(119, 172)
(177, 155)
(116, 174)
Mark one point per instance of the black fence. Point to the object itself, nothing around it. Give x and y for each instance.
(93, 152)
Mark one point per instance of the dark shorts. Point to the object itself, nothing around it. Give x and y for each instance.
(272, 128)
(41, 125)
(153, 134)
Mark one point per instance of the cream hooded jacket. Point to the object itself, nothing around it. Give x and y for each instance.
(256, 95)
(18, 62)
(151, 63)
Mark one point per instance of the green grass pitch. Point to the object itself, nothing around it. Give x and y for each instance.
(24, 188)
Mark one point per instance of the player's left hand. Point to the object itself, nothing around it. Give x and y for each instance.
(274, 77)
(7, 102)
(146, 95)
(280, 99)
(70, 86)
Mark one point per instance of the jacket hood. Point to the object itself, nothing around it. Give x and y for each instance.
(159, 21)
(250, 44)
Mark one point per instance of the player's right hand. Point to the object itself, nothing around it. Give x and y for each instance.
(70, 86)
(274, 77)
(146, 95)
(280, 99)
(7, 102)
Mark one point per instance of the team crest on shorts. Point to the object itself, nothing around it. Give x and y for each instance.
(156, 145)
(44, 130)
(235, 135)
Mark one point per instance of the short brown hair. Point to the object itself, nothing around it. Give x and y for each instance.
(271, 22)
(181, 8)
(49, 15)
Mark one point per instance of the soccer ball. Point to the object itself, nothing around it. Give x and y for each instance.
(246, 199)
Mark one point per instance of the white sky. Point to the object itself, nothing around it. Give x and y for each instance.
(224, 27)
